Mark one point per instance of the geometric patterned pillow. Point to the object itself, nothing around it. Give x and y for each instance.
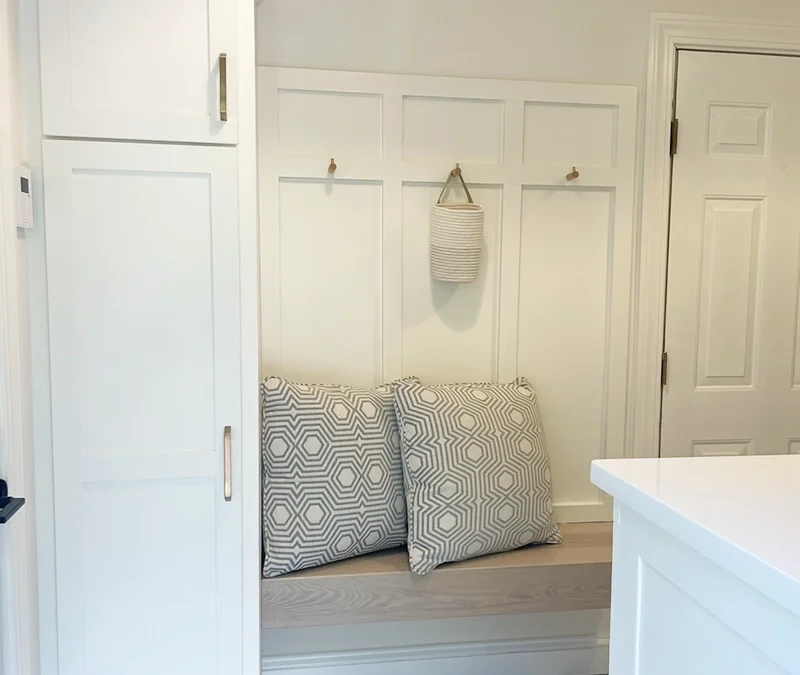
(476, 471)
(332, 474)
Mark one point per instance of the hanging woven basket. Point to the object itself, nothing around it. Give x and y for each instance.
(456, 238)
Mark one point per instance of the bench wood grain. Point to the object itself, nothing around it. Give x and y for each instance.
(574, 575)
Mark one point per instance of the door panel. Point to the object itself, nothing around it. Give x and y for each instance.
(169, 340)
(728, 291)
(732, 295)
(144, 70)
(171, 537)
(142, 265)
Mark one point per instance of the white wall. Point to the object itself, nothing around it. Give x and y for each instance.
(585, 41)
(590, 41)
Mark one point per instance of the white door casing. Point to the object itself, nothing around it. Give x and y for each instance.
(670, 33)
(143, 286)
(146, 70)
(732, 296)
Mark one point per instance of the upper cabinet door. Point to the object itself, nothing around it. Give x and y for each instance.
(143, 69)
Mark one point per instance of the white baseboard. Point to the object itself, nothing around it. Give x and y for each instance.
(581, 655)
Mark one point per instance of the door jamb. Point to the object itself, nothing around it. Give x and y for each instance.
(668, 34)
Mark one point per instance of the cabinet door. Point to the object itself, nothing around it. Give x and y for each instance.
(143, 293)
(146, 70)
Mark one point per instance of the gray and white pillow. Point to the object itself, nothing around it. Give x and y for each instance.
(332, 474)
(477, 475)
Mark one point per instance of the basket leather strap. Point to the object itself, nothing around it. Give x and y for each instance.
(463, 184)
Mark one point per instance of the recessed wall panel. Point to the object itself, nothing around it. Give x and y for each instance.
(570, 135)
(325, 124)
(330, 258)
(459, 129)
(448, 329)
(564, 288)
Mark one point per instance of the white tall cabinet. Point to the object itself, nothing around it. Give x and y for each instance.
(151, 307)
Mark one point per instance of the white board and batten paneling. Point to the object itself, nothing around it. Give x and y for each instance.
(146, 70)
(145, 354)
(346, 289)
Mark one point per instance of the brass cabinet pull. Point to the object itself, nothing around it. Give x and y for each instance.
(227, 461)
(223, 87)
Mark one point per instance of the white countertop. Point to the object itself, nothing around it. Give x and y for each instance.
(741, 512)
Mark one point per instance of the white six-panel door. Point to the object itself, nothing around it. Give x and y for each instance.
(143, 284)
(144, 70)
(732, 300)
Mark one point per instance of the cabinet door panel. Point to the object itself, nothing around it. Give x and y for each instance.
(143, 292)
(145, 70)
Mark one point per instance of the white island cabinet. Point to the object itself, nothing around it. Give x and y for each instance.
(706, 565)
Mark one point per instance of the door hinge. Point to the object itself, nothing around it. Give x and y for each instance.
(664, 358)
(673, 138)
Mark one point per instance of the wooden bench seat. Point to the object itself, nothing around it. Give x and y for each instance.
(380, 587)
